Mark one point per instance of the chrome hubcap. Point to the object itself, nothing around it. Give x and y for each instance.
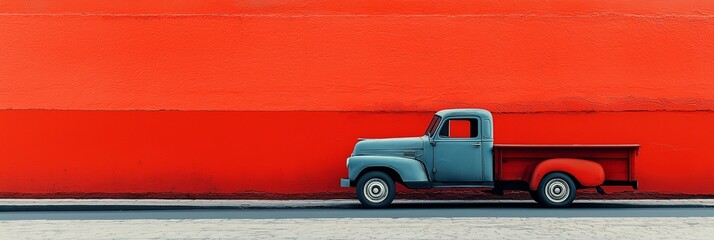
(375, 190)
(557, 190)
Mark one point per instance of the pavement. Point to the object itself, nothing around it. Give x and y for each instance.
(345, 219)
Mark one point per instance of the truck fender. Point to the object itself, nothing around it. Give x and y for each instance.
(408, 169)
(585, 172)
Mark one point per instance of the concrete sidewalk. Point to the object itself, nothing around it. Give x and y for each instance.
(334, 203)
(360, 228)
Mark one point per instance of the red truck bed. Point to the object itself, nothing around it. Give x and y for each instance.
(515, 162)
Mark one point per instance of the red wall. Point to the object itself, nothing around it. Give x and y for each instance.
(269, 96)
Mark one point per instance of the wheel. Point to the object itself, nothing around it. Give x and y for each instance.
(556, 190)
(534, 196)
(375, 190)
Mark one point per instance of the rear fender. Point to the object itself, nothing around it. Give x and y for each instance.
(409, 169)
(585, 172)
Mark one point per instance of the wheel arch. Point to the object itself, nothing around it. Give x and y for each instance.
(584, 173)
(388, 170)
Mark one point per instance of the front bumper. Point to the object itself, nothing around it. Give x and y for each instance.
(344, 182)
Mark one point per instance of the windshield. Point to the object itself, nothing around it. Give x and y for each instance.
(432, 126)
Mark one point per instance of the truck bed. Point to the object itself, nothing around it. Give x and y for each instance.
(515, 162)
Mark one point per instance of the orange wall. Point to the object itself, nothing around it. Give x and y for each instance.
(45, 151)
(84, 86)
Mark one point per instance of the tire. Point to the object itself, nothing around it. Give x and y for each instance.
(556, 190)
(534, 196)
(375, 190)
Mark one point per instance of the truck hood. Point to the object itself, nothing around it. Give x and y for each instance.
(403, 147)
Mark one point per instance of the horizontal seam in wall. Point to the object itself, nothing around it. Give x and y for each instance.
(340, 111)
(280, 15)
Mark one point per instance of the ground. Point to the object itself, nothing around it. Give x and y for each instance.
(344, 219)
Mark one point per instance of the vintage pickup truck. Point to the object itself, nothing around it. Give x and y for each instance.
(457, 151)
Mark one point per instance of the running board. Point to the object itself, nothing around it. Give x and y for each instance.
(463, 185)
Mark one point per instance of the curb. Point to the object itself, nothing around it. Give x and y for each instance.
(334, 203)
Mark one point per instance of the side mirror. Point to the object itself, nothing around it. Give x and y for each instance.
(431, 141)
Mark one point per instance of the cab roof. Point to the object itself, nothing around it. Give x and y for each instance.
(464, 112)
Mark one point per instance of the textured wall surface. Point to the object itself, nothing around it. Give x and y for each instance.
(232, 96)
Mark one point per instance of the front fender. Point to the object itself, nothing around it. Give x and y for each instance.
(409, 169)
(587, 173)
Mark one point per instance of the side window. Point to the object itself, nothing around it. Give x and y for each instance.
(459, 128)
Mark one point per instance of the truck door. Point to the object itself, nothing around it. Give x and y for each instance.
(457, 151)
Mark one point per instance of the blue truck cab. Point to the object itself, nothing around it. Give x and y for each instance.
(432, 160)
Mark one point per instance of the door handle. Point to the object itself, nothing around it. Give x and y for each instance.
(476, 145)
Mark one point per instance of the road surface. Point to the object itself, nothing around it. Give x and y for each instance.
(350, 210)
